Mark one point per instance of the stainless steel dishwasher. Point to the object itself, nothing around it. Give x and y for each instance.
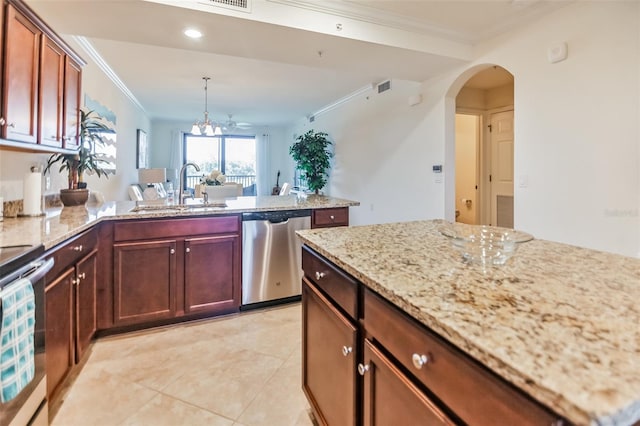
(272, 256)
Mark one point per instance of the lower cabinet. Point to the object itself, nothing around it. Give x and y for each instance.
(329, 342)
(170, 269)
(391, 398)
(398, 372)
(70, 307)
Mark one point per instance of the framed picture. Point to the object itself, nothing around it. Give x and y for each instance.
(142, 151)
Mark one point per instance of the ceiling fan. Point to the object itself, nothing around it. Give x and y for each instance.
(231, 125)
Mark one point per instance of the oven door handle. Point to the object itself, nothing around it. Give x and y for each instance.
(34, 272)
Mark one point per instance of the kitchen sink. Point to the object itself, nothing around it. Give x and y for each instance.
(177, 207)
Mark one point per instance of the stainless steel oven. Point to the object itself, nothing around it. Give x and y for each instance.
(26, 404)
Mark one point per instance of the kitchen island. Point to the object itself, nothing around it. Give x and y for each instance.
(558, 323)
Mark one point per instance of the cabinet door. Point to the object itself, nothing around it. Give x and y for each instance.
(52, 60)
(71, 103)
(20, 82)
(85, 309)
(391, 398)
(144, 280)
(328, 359)
(212, 274)
(59, 334)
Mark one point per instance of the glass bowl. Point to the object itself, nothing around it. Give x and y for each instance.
(482, 244)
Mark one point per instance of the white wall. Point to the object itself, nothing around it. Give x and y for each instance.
(13, 165)
(576, 132)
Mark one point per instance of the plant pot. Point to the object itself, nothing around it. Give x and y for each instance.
(74, 197)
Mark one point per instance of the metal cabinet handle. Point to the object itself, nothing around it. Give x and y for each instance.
(75, 282)
(82, 276)
(173, 251)
(363, 368)
(188, 250)
(319, 275)
(78, 248)
(419, 360)
(333, 218)
(346, 350)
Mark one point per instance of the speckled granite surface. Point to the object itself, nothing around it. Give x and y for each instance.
(560, 322)
(60, 224)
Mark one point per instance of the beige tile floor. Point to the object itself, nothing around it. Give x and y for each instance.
(242, 370)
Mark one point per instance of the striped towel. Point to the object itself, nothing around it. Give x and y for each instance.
(17, 364)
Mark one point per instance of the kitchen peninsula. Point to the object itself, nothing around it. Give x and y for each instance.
(118, 268)
(551, 337)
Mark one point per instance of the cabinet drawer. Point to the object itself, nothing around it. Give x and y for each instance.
(476, 395)
(324, 218)
(69, 252)
(168, 228)
(341, 288)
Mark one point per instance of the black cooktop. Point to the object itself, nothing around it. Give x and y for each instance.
(13, 257)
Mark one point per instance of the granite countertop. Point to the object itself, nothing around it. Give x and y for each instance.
(60, 224)
(560, 322)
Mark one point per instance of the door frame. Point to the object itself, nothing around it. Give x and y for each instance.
(483, 212)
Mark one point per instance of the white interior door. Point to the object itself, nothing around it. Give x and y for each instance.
(502, 169)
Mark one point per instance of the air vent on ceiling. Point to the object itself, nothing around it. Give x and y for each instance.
(384, 86)
(242, 5)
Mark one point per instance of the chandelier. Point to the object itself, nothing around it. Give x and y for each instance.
(205, 127)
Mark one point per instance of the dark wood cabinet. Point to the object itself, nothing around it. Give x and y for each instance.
(410, 375)
(173, 268)
(326, 218)
(209, 274)
(71, 103)
(59, 332)
(52, 59)
(144, 281)
(70, 298)
(85, 303)
(20, 77)
(329, 343)
(390, 397)
(41, 83)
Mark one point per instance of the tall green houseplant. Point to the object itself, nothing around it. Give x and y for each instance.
(85, 159)
(312, 156)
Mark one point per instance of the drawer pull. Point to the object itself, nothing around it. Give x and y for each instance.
(319, 275)
(173, 251)
(419, 360)
(188, 250)
(78, 248)
(346, 350)
(81, 276)
(75, 282)
(333, 218)
(363, 368)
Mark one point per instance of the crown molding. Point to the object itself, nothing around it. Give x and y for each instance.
(86, 45)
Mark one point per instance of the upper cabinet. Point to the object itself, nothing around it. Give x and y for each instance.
(20, 82)
(41, 84)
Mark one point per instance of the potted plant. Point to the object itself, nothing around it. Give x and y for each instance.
(312, 156)
(85, 159)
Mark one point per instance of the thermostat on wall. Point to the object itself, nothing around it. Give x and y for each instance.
(437, 168)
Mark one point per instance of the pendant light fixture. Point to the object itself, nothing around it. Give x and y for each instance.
(205, 127)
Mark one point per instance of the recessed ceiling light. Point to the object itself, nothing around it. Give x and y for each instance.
(192, 33)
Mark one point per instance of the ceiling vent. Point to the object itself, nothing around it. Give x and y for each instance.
(241, 5)
(384, 86)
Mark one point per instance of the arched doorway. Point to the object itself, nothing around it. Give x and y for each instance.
(483, 146)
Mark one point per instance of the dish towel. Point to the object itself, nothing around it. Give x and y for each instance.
(17, 348)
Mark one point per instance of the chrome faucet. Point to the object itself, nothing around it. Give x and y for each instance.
(182, 169)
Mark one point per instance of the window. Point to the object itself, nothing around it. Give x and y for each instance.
(234, 156)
